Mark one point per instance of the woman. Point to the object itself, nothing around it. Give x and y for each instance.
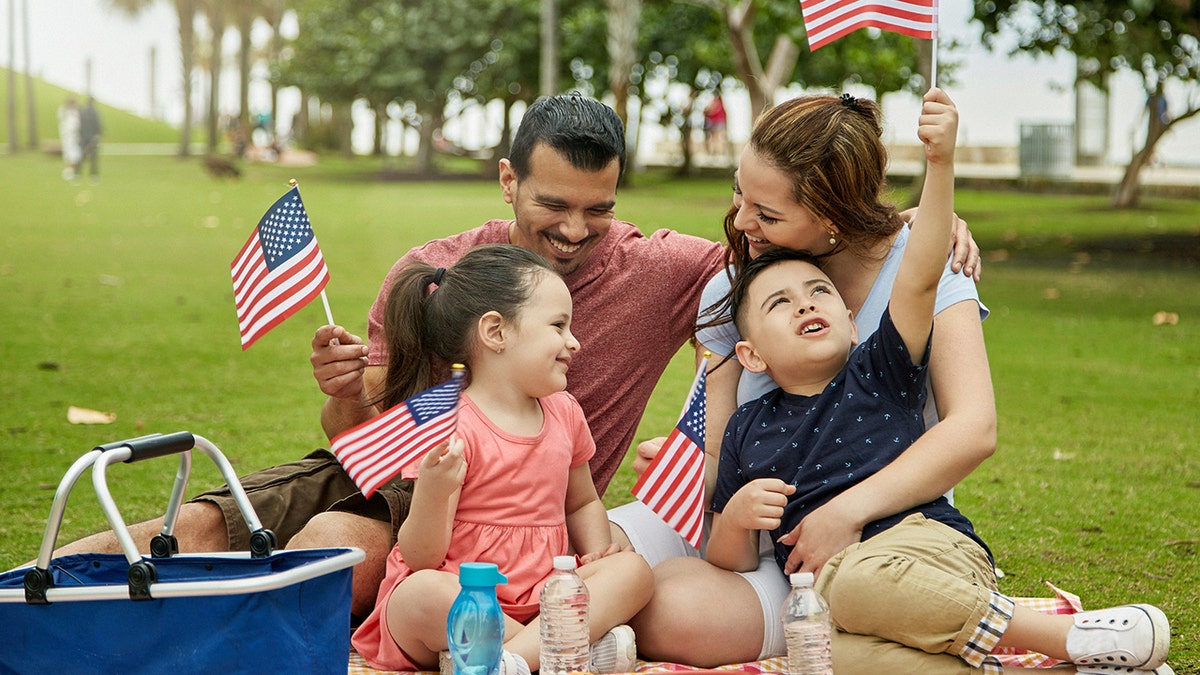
(812, 177)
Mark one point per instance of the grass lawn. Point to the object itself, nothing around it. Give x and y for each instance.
(118, 299)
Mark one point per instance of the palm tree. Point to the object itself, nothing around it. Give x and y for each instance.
(30, 104)
(186, 11)
(214, 11)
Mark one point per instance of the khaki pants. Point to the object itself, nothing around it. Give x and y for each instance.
(913, 599)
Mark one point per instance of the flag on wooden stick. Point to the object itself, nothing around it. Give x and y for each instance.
(673, 485)
(375, 451)
(279, 270)
(828, 20)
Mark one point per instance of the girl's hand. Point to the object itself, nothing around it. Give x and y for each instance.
(758, 505)
(444, 468)
(594, 556)
(938, 126)
(820, 536)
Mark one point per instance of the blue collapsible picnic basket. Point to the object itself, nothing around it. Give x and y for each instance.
(286, 611)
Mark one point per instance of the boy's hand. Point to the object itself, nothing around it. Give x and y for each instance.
(443, 468)
(938, 126)
(822, 534)
(758, 505)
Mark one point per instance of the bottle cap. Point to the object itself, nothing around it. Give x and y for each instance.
(564, 562)
(802, 578)
(480, 574)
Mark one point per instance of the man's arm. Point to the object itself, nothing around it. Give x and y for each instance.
(339, 361)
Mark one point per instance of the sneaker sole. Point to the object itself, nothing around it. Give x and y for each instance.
(1162, 636)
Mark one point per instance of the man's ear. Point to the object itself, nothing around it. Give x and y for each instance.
(748, 356)
(490, 331)
(508, 181)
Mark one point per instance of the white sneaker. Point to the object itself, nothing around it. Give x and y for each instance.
(614, 652)
(1120, 639)
(510, 664)
(1164, 669)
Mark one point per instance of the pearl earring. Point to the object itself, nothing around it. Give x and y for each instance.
(832, 239)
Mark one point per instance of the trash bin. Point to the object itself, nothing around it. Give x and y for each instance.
(1047, 150)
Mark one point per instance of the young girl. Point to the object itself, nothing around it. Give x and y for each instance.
(918, 593)
(512, 486)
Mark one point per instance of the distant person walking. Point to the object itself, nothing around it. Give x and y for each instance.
(89, 139)
(69, 121)
(715, 122)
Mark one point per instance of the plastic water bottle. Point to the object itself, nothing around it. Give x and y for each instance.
(564, 620)
(475, 626)
(806, 628)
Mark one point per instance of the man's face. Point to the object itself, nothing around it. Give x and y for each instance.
(562, 213)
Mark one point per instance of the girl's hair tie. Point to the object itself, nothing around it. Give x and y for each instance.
(849, 101)
(437, 276)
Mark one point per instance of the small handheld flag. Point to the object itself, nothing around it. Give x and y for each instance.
(378, 449)
(673, 485)
(828, 20)
(279, 270)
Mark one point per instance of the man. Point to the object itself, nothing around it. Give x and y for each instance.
(635, 302)
(90, 130)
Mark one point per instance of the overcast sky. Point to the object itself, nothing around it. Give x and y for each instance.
(995, 93)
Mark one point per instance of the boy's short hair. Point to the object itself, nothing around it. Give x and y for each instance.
(740, 287)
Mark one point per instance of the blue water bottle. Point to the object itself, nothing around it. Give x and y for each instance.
(475, 626)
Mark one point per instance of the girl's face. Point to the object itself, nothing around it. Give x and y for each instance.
(540, 343)
(768, 216)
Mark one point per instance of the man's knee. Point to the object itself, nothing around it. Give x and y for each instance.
(333, 529)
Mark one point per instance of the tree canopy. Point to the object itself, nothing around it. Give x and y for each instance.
(1158, 40)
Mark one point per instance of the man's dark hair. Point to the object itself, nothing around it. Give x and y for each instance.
(586, 132)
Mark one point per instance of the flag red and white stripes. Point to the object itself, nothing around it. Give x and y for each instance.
(673, 485)
(828, 20)
(373, 452)
(278, 271)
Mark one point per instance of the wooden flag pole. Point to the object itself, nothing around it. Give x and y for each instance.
(324, 299)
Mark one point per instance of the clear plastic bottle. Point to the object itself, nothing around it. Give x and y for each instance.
(564, 620)
(806, 628)
(475, 625)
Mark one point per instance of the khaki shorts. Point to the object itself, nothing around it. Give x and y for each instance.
(287, 496)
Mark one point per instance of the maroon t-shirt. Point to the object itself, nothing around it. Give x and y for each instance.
(635, 302)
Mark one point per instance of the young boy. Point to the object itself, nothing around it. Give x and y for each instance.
(918, 593)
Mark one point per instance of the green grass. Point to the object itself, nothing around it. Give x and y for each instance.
(120, 126)
(117, 297)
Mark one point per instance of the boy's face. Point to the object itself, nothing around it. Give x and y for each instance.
(794, 325)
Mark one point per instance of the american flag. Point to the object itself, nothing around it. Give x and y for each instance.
(673, 485)
(828, 20)
(278, 271)
(376, 450)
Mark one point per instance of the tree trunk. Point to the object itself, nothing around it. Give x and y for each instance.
(1129, 190)
(377, 144)
(623, 17)
(13, 146)
(760, 83)
(216, 23)
(548, 52)
(431, 121)
(186, 11)
(30, 102)
(245, 21)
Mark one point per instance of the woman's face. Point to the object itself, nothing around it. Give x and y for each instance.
(768, 216)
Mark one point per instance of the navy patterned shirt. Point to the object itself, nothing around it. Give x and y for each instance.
(824, 444)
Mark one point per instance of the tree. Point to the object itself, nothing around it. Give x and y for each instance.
(1160, 41)
(383, 51)
(185, 11)
(30, 103)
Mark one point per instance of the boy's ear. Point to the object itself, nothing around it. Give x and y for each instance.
(853, 328)
(748, 357)
(490, 330)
